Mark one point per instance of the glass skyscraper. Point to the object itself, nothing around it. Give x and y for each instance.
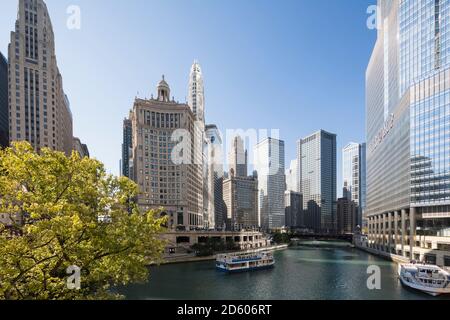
(270, 166)
(408, 131)
(316, 160)
(354, 176)
(4, 124)
(127, 146)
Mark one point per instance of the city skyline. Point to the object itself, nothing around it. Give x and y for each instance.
(303, 136)
(111, 104)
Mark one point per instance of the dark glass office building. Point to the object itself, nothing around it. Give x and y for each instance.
(4, 124)
(126, 148)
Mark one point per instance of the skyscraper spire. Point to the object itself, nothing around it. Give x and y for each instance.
(196, 95)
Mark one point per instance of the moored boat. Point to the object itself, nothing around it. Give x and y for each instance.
(426, 278)
(246, 261)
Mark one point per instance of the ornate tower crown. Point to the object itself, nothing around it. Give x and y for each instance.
(163, 90)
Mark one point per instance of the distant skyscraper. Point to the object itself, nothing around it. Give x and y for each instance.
(214, 177)
(127, 146)
(241, 202)
(270, 166)
(238, 158)
(175, 184)
(347, 215)
(291, 177)
(196, 97)
(80, 147)
(294, 209)
(4, 123)
(354, 176)
(196, 101)
(39, 109)
(408, 131)
(316, 157)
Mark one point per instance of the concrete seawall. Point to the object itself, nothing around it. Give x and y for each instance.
(384, 255)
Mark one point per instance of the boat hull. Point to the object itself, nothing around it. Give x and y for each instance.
(246, 269)
(421, 288)
(408, 281)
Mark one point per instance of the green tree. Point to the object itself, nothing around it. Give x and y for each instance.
(281, 238)
(72, 214)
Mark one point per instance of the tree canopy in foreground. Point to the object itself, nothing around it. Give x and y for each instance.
(72, 214)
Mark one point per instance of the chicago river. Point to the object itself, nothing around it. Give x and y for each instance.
(309, 271)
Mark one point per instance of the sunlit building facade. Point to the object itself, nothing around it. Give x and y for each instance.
(39, 111)
(270, 167)
(166, 160)
(354, 177)
(238, 158)
(408, 131)
(215, 217)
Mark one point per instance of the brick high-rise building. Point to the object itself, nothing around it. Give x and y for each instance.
(166, 159)
(240, 196)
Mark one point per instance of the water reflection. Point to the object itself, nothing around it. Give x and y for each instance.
(308, 272)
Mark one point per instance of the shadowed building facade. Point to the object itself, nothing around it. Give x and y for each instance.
(80, 147)
(4, 123)
(240, 196)
(127, 145)
(316, 160)
(294, 209)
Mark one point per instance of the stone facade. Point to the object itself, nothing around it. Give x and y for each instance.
(166, 160)
(240, 196)
(39, 110)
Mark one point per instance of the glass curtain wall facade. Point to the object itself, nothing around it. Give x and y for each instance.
(408, 129)
(270, 166)
(127, 146)
(4, 124)
(316, 160)
(354, 176)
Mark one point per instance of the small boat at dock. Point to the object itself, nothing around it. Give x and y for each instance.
(244, 261)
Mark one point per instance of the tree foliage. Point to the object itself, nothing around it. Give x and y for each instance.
(72, 213)
(212, 246)
(281, 238)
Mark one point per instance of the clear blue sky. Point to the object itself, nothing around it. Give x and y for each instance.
(293, 65)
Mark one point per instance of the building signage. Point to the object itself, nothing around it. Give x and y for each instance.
(388, 125)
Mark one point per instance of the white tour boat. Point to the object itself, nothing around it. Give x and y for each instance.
(247, 261)
(427, 278)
